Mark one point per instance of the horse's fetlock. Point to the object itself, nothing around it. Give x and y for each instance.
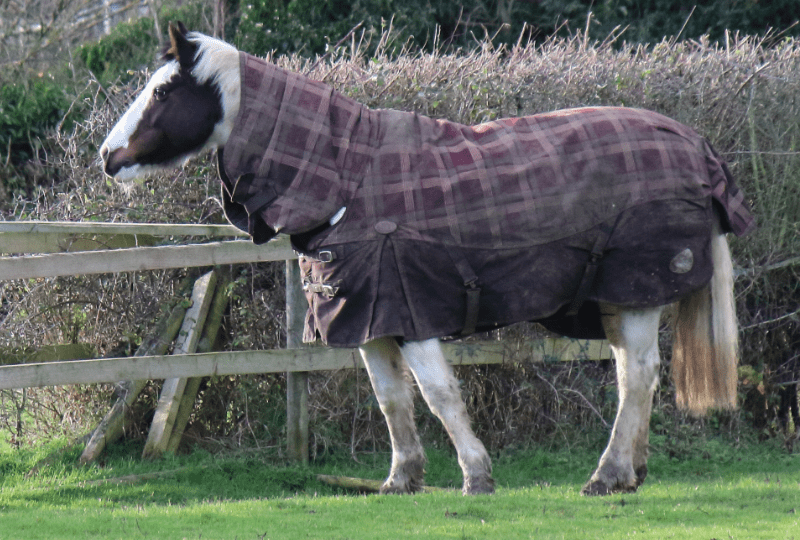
(610, 478)
(483, 484)
(641, 474)
(407, 476)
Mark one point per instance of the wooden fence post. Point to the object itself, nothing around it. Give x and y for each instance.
(173, 390)
(296, 382)
(112, 426)
(205, 344)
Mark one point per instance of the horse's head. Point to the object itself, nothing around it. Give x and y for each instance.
(188, 106)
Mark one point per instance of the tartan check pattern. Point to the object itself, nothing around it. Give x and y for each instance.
(300, 152)
(507, 183)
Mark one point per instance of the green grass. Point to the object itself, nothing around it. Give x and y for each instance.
(722, 492)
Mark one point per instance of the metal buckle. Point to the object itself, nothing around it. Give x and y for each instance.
(325, 256)
(329, 291)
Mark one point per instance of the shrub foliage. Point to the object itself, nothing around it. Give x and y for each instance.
(29, 110)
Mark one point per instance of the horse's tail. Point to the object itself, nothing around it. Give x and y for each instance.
(706, 339)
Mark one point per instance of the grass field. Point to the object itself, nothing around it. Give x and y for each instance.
(722, 492)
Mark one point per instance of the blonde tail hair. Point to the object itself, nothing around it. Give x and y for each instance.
(706, 340)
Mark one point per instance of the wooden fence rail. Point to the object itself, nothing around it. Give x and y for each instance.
(278, 361)
(52, 249)
(75, 248)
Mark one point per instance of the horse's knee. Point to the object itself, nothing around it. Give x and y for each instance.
(435, 378)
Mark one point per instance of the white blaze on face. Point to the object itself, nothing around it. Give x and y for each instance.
(120, 135)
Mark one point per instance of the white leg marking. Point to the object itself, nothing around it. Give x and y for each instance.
(440, 389)
(391, 382)
(634, 339)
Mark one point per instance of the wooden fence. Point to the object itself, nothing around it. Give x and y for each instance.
(35, 250)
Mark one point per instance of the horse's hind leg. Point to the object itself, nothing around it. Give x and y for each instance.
(388, 373)
(440, 389)
(633, 335)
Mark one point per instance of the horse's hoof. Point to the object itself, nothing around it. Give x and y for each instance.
(404, 485)
(593, 489)
(391, 488)
(478, 486)
(599, 488)
(406, 478)
(641, 474)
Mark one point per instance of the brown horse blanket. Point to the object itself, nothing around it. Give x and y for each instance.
(449, 228)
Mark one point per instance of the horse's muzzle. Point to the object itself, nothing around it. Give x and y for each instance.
(115, 161)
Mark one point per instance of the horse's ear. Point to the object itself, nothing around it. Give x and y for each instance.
(180, 48)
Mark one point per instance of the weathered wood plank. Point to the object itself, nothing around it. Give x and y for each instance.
(204, 344)
(365, 485)
(13, 242)
(147, 258)
(172, 391)
(112, 426)
(271, 361)
(154, 229)
(297, 435)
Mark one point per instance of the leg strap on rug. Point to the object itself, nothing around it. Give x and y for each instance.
(595, 257)
(471, 285)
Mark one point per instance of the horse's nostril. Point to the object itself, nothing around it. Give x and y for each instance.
(111, 165)
(111, 169)
(116, 160)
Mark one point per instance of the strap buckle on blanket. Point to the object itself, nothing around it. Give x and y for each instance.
(325, 256)
(325, 289)
(473, 303)
(591, 270)
(473, 291)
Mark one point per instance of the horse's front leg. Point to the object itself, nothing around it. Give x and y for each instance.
(634, 339)
(391, 382)
(440, 389)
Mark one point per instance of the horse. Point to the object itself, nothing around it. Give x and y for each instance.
(593, 221)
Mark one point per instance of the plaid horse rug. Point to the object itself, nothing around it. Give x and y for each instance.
(448, 229)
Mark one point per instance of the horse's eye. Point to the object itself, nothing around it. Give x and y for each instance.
(160, 93)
